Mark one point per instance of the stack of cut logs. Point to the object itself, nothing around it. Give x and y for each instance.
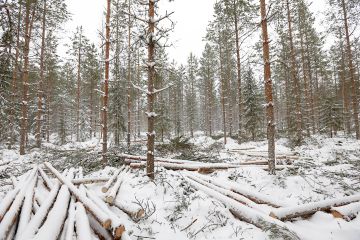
(40, 207)
(201, 167)
(248, 205)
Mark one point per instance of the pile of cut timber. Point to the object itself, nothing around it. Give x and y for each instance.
(176, 164)
(40, 207)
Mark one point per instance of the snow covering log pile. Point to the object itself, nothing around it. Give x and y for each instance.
(63, 207)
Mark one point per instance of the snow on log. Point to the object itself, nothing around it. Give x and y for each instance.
(40, 215)
(243, 212)
(116, 223)
(9, 198)
(287, 213)
(228, 193)
(82, 224)
(13, 181)
(253, 195)
(157, 159)
(90, 180)
(346, 212)
(12, 213)
(106, 187)
(88, 204)
(134, 212)
(111, 194)
(203, 168)
(69, 233)
(54, 222)
(99, 230)
(47, 182)
(26, 209)
(12, 231)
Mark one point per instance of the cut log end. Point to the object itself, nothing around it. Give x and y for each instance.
(107, 224)
(139, 214)
(109, 200)
(273, 215)
(336, 214)
(119, 231)
(104, 189)
(206, 170)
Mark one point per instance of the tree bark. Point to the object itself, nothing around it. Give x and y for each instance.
(268, 90)
(129, 83)
(78, 90)
(150, 94)
(106, 83)
(355, 103)
(41, 79)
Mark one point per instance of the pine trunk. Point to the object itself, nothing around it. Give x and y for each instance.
(129, 84)
(78, 91)
(355, 103)
(106, 83)
(268, 90)
(150, 95)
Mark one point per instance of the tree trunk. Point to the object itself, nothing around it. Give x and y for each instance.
(106, 83)
(25, 78)
(78, 91)
(238, 66)
(355, 103)
(222, 90)
(41, 79)
(298, 115)
(268, 90)
(150, 95)
(129, 85)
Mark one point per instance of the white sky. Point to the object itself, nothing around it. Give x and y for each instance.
(191, 16)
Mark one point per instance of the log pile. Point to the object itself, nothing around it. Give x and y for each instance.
(41, 207)
(176, 164)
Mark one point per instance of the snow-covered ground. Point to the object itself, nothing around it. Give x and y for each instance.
(326, 169)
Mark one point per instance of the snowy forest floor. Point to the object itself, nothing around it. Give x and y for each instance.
(327, 168)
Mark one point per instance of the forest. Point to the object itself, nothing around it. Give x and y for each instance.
(257, 137)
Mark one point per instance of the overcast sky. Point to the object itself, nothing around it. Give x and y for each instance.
(191, 17)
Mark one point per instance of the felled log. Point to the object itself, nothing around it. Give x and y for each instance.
(111, 195)
(287, 213)
(204, 167)
(241, 211)
(346, 212)
(135, 213)
(82, 224)
(226, 192)
(47, 182)
(253, 195)
(41, 213)
(106, 187)
(79, 181)
(12, 213)
(26, 209)
(99, 230)
(10, 196)
(69, 233)
(117, 226)
(157, 159)
(88, 204)
(53, 224)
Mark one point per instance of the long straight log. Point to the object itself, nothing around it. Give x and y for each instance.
(82, 224)
(251, 194)
(27, 206)
(12, 214)
(40, 215)
(307, 209)
(90, 180)
(157, 159)
(51, 229)
(9, 198)
(99, 230)
(135, 213)
(69, 233)
(88, 204)
(241, 211)
(47, 182)
(106, 187)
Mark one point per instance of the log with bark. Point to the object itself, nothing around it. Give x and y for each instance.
(157, 159)
(88, 204)
(346, 212)
(288, 213)
(113, 191)
(46, 180)
(90, 180)
(106, 187)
